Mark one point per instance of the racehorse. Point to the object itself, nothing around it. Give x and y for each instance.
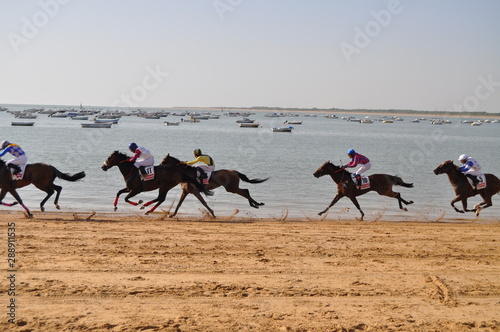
(463, 189)
(166, 177)
(381, 183)
(42, 176)
(7, 185)
(228, 178)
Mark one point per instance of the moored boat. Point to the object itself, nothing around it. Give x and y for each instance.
(249, 125)
(282, 129)
(22, 123)
(97, 125)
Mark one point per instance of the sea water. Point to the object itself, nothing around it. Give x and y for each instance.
(403, 148)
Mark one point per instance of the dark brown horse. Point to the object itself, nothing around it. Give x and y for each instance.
(229, 179)
(463, 189)
(7, 185)
(166, 177)
(381, 183)
(42, 176)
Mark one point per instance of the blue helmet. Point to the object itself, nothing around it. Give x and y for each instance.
(350, 152)
(132, 146)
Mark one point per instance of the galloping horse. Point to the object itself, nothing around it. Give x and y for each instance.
(463, 189)
(7, 185)
(166, 177)
(42, 176)
(381, 183)
(230, 179)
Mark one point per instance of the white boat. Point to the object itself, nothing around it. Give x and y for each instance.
(415, 120)
(294, 122)
(282, 129)
(249, 125)
(21, 123)
(166, 123)
(476, 123)
(97, 125)
(111, 121)
(79, 118)
(366, 121)
(26, 116)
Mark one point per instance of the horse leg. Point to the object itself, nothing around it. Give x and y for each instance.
(181, 200)
(245, 193)
(58, 190)
(3, 192)
(335, 200)
(456, 199)
(484, 204)
(160, 199)
(356, 204)
(14, 193)
(49, 192)
(117, 197)
(131, 193)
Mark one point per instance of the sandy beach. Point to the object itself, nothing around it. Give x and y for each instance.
(112, 272)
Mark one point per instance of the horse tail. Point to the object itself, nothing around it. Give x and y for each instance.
(399, 182)
(68, 177)
(246, 179)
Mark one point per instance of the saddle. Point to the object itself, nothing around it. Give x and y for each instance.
(147, 172)
(365, 181)
(19, 175)
(481, 182)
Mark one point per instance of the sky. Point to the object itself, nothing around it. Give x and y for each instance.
(391, 54)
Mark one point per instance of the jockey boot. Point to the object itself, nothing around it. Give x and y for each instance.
(474, 179)
(358, 180)
(142, 170)
(16, 168)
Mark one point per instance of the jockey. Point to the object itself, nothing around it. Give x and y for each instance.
(141, 158)
(205, 163)
(15, 150)
(358, 159)
(470, 168)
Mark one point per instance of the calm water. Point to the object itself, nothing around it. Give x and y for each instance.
(410, 150)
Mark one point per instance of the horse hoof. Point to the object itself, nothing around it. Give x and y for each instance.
(171, 215)
(410, 202)
(140, 202)
(142, 207)
(147, 212)
(42, 209)
(57, 207)
(405, 209)
(115, 209)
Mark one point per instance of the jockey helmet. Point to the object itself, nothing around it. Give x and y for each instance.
(462, 157)
(4, 144)
(197, 152)
(132, 146)
(351, 152)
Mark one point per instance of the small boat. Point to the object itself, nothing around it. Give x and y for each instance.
(476, 123)
(97, 125)
(166, 123)
(20, 123)
(415, 120)
(79, 118)
(387, 121)
(111, 121)
(366, 121)
(245, 120)
(294, 122)
(282, 129)
(26, 116)
(249, 125)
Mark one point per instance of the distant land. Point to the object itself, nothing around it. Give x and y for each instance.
(359, 111)
(434, 113)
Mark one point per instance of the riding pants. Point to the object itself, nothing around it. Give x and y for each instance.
(363, 168)
(21, 160)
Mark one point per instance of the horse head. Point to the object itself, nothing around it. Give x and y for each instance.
(114, 159)
(445, 167)
(326, 168)
(169, 160)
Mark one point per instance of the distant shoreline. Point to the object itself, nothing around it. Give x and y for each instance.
(393, 112)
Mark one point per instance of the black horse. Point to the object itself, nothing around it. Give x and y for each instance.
(228, 178)
(7, 185)
(463, 189)
(381, 183)
(166, 177)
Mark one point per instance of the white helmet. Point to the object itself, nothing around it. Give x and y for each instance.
(463, 157)
(4, 144)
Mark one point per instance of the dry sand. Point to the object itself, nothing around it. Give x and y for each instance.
(136, 273)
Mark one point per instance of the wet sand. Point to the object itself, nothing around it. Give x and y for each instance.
(117, 272)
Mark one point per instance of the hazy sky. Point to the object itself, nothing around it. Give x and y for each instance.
(405, 54)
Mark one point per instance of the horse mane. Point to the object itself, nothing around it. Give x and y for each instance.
(168, 156)
(120, 154)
